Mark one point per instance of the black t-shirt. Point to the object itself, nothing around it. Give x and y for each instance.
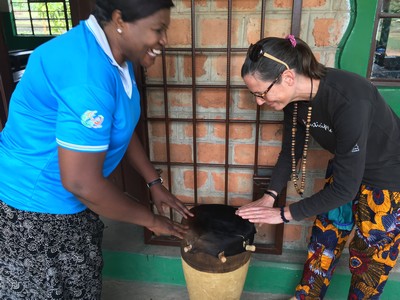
(351, 120)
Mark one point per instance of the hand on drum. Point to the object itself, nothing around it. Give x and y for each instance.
(162, 197)
(261, 211)
(260, 214)
(164, 226)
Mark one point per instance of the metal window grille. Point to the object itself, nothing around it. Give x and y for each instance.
(41, 17)
(168, 121)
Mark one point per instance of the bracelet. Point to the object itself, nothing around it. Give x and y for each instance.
(272, 195)
(156, 181)
(283, 215)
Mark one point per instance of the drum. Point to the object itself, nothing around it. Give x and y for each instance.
(216, 252)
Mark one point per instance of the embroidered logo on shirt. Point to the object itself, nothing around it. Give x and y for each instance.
(355, 149)
(90, 120)
(321, 126)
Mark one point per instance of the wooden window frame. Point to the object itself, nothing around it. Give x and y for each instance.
(32, 19)
(379, 15)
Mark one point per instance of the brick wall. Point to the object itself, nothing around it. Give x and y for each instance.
(323, 23)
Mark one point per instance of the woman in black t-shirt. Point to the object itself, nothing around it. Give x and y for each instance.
(345, 114)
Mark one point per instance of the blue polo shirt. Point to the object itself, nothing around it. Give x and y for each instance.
(73, 94)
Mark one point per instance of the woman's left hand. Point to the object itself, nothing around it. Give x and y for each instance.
(162, 197)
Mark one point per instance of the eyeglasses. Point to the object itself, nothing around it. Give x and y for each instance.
(262, 95)
(256, 51)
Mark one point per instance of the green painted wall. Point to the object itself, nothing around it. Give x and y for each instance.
(354, 49)
(262, 277)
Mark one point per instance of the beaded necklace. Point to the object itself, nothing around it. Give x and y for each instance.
(294, 176)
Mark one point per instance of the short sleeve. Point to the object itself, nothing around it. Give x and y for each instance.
(84, 119)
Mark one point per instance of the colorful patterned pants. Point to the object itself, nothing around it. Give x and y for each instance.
(46, 256)
(373, 250)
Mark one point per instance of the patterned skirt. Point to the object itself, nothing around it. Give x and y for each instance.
(373, 250)
(50, 256)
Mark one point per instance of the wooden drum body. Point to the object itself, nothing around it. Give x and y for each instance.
(216, 252)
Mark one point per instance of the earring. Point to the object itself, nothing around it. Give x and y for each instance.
(119, 30)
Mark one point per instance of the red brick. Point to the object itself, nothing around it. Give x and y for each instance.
(180, 98)
(179, 152)
(306, 3)
(212, 98)
(244, 154)
(271, 132)
(283, 3)
(179, 32)
(188, 3)
(239, 201)
(214, 31)
(211, 153)
(219, 181)
(155, 100)
(240, 183)
(188, 179)
(240, 5)
(314, 3)
(220, 66)
(185, 198)
(268, 155)
(156, 70)
(246, 100)
(201, 130)
(200, 70)
(278, 26)
(236, 131)
(322, 31)
(157, 129)
(211, 200)
(159, 151)
(253, 31)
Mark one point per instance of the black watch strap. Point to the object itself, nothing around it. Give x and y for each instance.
(271, 194)
(159, 180)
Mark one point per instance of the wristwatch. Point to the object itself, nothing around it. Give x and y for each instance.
(156, 181)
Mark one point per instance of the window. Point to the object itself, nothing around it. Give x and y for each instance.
(385, 53)
(41, 17)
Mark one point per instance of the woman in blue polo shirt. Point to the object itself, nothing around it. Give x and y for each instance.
(72, 118)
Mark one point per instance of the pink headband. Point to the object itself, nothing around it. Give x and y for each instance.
(292, 40)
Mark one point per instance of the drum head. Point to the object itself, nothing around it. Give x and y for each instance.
(215, 229)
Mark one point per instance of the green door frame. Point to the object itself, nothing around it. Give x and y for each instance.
(353, 52)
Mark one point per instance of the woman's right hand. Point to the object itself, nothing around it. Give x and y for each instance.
(164, 226)
(265, 201)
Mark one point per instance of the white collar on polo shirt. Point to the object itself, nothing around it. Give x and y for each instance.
(101, 38)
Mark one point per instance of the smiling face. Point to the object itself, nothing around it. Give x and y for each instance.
(142, 40)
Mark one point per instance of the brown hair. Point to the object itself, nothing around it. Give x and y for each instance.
(299, 57)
